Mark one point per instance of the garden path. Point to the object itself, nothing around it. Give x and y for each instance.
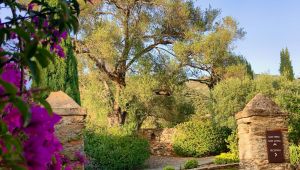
(159, 162)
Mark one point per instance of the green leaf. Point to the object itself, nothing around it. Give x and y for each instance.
(76, 6)
(2, 105)
(3, 53)
(35, 71)
(47, 106)
(29, 26)
(43, 56)
(9, 88)
(22, 33)
(43, 61)
(18, 167)
(31, 48)
(75, 24)
(3, 32)
(3, 128)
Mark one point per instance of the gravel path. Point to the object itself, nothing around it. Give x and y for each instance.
(158, 162)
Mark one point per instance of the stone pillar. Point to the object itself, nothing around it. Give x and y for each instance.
(261, 116)
(70, 129)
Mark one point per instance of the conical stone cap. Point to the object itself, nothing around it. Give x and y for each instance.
(260, 105)
(62, 104)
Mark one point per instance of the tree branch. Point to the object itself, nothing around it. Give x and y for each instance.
(147, 49)
(127, 47)
(204, 67)
(159, 48)
(101, 65)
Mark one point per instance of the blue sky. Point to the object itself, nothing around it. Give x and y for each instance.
(270, 25)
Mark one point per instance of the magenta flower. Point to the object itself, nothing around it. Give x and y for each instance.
(12, 74)
(58, 162)
(56, 33)
(80, 157)
(42, 142)
(45, 24)
(61, 53)
(35, 20)
(13, 35)
(68, 167)
(58, 50)
(30, 6)
(64, 35)
(13, 119)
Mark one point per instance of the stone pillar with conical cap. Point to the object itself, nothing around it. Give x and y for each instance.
(263, 136)
(70, 128)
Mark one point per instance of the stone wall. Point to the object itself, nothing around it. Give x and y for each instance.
(70, 128)
(70, 132)
(260, 115)
(160, 140)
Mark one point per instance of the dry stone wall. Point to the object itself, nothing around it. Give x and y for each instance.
(160, 140)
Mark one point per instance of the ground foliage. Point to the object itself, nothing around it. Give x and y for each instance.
(111, 151)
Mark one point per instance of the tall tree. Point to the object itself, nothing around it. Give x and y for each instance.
(62, 74)
(286, 68)
(127, 30)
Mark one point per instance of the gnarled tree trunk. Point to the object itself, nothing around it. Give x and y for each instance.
(117, 117)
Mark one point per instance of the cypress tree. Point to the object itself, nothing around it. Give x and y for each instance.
(242, 60)
(286, 68)
(62, 74)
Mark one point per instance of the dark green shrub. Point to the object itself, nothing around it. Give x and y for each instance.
(190, 164)
(110, 152)
(226, 158)
(199, 139)
(169, 167)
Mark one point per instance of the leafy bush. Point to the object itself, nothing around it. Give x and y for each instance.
(168, 167)
(199, 139)
(229, 97)
(115, 152)
(226, 158)
(295, 155)
(288, 98)
(190, 164)
(232, 141)
(267, 85)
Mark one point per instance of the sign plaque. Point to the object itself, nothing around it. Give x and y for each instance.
(275, 146)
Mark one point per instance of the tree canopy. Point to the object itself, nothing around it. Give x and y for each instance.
(117, 34)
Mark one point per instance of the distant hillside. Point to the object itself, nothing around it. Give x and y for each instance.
(198, 86)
